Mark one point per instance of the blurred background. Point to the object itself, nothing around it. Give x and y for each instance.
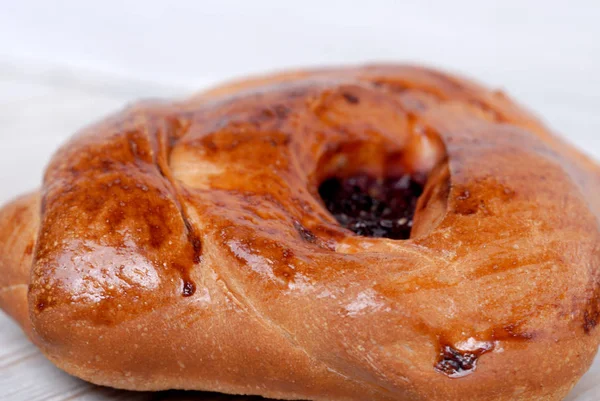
(64, 64)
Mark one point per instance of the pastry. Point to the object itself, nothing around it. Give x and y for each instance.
(364, 233)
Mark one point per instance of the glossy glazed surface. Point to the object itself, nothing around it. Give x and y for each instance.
(186, 245)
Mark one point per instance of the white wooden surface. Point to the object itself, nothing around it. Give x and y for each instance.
(65, 63)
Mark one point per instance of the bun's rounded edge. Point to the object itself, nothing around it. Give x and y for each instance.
(19, 224)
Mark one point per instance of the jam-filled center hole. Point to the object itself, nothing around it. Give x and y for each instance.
(373, 207)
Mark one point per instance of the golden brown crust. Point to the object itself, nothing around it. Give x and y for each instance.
(19, 222)
(184, 245)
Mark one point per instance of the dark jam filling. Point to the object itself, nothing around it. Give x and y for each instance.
(373, 207)
(455, 363)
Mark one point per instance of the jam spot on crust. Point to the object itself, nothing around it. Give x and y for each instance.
(591, 313)
(460, 359)
(194, 241)
(590, 321)
(305, 234)
(456, 363)
(373, 207)
(189, 288)
(196, 246)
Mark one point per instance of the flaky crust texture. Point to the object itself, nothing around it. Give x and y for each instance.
(184, 245)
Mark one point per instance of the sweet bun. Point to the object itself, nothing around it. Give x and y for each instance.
(375, 233)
